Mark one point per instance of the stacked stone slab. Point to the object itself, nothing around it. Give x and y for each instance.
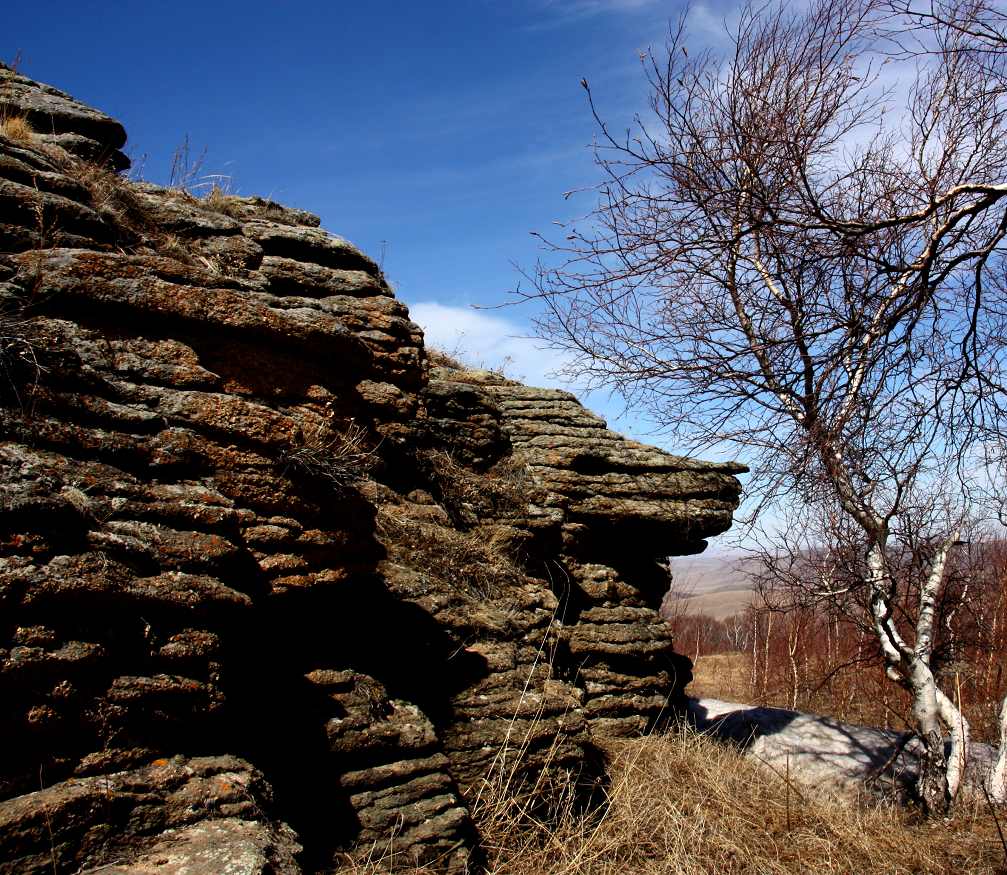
(271, 590)
(59, 120)
(619, 509)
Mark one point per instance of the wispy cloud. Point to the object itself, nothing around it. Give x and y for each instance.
(706, 18)
(487, 340)
(557, 13)
(595, 7)
(710, 24)
(481, 339)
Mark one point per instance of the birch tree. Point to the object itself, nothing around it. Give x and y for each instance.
(799, 253)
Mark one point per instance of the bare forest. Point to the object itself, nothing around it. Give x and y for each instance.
(789, 651)
(798, 256)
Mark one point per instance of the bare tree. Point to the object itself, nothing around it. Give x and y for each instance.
(800, 253)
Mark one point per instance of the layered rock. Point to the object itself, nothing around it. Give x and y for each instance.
(59, 120)
(250, 542)
(615, 510)
(209, 812)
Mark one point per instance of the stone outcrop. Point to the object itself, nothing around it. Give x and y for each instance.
(59, 120)
(172, 812)
(273, 588)
(609, 511)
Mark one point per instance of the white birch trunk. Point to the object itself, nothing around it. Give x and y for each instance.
(940, 775)
(958, 727)
(998, 773)
(932, 783)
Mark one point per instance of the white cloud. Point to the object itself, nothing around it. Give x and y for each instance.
(487, 340)
(710, 24)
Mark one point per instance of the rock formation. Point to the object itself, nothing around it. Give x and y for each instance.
(274, 588)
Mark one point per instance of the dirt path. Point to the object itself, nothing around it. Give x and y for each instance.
(823, 753)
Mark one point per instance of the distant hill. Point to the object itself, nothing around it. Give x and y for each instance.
(716, 585)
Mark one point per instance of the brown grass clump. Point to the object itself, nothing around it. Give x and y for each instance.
(110, 193)
(438, 358)
(338, 458)
(221, 201)
(113, 197)
(684, 804)
(464, 540)
(466, 561)
(500, 493)
(16, 128)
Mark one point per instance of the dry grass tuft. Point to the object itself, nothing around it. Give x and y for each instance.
(173, 246)
(684, 804)
(466, 562)
(220, 200)
(438, 358)
(114, 198)
(110, 192)
(339, 458)
(500, 493)
(16, 128)
(464, 540)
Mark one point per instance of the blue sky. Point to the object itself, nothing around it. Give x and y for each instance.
(436, 136)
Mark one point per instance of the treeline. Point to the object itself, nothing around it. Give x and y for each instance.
(821, 654)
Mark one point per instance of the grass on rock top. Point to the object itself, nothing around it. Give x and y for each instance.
(16, 128)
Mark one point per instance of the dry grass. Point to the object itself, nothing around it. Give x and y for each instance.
(466, 561)
(220, 200)
(726, 676)
(16, 128)
(113, 197)
(338, 458)
(473, 555)
(110, 193)
(438, 358)
(499, 494)
(684, 804)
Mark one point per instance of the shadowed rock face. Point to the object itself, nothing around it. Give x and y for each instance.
(271, 588)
